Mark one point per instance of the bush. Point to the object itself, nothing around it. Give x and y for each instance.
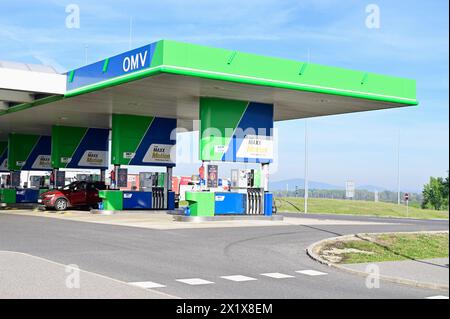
(435, 194)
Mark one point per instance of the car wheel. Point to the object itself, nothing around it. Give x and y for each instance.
(61, 204)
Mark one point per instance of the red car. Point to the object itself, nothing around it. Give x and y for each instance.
(76, 194)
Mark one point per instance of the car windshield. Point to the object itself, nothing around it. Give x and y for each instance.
(83, 185)
(70, 186)
(74, 186)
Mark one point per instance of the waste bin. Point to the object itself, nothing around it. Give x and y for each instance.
(268, 204)
(8, 196)
(171, 200)
(200, 203)
(112, 199)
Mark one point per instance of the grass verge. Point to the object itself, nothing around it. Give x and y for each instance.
(387, 247)
(353, 207)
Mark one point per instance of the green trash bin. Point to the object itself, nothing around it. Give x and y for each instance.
(200, 203)
(112, 199)
(8, 195)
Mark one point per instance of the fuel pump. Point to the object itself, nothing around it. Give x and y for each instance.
(154, 182)
(248, 182)
(158, 190)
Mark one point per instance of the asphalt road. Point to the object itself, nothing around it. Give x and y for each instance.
(164, 257)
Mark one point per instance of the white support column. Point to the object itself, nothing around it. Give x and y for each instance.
(168, 186)
(398, 169)
(55, 178)
(205, 175)
(306, 167)
(9, 185)
(169, 178)
(102, 175)
(265, 185)
(116, 171)
(265, 175)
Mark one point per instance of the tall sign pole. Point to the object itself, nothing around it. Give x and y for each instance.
(306, 166)
(407, 208)
(306, 151)
(398, 169)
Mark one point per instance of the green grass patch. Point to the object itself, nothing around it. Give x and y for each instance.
(388, 247)
(353, 207)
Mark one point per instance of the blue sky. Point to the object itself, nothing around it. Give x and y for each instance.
(411, 42)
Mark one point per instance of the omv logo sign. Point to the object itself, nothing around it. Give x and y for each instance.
(115, 66)
(135, 61)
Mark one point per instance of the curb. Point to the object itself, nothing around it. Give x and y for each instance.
(18, 206)
(311, 252)
(126, 212)
(197, 219)
(407, 219)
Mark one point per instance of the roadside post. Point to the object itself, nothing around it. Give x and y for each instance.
(406, 197)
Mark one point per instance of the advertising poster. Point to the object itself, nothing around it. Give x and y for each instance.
(122, 177)
(213, 176)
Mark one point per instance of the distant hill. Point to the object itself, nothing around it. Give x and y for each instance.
(299, 182)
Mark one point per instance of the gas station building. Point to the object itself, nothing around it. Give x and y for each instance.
(138, 100)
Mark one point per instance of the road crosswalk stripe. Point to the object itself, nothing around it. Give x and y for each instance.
(147, 284)
(238, 278)
(277, 275)
(310, 272)
(195, 281)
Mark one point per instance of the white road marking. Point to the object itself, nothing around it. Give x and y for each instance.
(311, 272)
(438, 297)
(195, 281)
(147, 284)
(238, 278)
(277, 275)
